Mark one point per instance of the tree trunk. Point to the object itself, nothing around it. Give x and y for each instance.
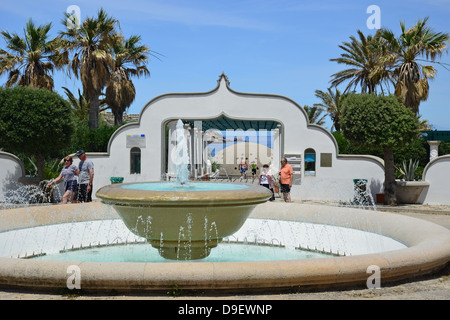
(390, 197)
(93, 112)
(40, 164)
(118, 118)
(337, 125)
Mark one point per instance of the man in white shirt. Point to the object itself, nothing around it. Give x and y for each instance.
(85, 177)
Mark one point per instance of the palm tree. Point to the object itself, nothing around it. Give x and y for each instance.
(129, 60)
(80, 105)
(315, 114)
(30, 60)
(92, 61)
(369, 63)
(414, 44)
(332, 103)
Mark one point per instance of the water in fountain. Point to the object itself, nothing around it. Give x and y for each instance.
(110, 240)
(216, 175)
(29, 191)
(181, 156)
(257, 240)
(181, 159)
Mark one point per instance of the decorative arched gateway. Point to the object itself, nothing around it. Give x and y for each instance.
(226, 125)
(222, 143)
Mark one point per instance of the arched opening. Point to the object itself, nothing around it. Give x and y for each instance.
(135, 160)
(218, 145)
(310, 162)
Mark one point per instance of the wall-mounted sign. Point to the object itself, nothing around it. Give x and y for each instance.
(136, 140)
(326, 160)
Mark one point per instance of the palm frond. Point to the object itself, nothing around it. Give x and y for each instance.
(412, 44)
(30, 59)
(368, 65)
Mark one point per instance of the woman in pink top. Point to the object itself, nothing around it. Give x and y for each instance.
(286, 173)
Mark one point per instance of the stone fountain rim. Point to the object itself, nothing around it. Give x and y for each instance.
(116, 194)
(428, 251)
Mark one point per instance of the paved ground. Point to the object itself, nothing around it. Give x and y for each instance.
(432, 287)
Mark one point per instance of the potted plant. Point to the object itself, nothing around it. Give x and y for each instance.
(408, 190)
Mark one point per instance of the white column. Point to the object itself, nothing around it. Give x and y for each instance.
(434, 149)
(276, 149)
(200, 152)
(203, 153)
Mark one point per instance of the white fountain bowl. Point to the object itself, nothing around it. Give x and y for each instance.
(428, 250)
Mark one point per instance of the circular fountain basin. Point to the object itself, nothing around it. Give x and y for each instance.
(427, 250)
(184, 222)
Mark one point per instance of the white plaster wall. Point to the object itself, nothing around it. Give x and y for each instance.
(437, 173)
(336, 183)
(11, 169)
(296, 134)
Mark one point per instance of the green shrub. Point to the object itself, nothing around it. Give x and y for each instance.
(35, 122)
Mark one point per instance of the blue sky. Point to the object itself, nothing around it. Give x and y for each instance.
(281, 47)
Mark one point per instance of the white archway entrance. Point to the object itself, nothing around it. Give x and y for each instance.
(217, 146)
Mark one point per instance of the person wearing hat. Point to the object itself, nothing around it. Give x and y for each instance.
(85, 177)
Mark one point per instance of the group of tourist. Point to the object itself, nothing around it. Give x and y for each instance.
(243, 167)
(77, 180)
(267, 180)
(285, 174)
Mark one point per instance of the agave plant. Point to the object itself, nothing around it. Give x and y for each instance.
(408, 170)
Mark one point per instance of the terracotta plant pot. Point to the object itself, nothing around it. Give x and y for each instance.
(380, 198)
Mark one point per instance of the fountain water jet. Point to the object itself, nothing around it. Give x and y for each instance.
(181, 156)
(170, 206)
